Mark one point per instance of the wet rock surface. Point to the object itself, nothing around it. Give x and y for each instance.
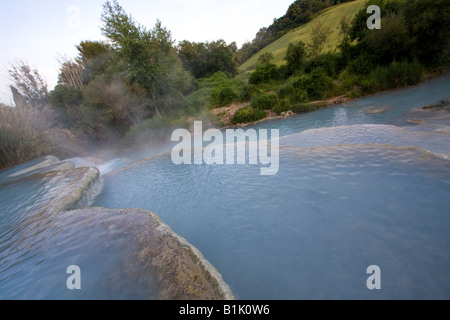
(164, 265)
(124, 254)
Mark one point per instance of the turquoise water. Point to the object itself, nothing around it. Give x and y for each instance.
(359, 185)
(397, 103)
(360, 197)
(312, 230)
(37, 246)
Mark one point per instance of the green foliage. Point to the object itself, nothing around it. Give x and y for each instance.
(146, 57)
(227, 96)
(203, 59)
(330, 62)
(293, 94)
(95, 57)
(316, 84)
(90, 50)
(216, 91)
(347, 80)
(319, 35)
(303, 32)
(410, 29)
(138, 83)
(65, 101)
(299, 13)
(265, 101)
(428, 22)
(392, 41)
(248, 114)
(153, 131)
(265, 58)
(296, 56)
(396, 75)
(264, 73)
(362, 65)
(249, 92)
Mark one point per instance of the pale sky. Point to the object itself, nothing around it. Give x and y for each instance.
(37, 31)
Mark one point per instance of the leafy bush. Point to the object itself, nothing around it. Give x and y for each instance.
(328, 62)
(283, 106)
(219, 89)
(65, 101)
(248, 114)
(316, 84)
(295, 57)
(265, 101)
(396, 75)
(249, 92)
(264, 73)
(293, 94)
(347, 80)
(362, 65)
(227, 96)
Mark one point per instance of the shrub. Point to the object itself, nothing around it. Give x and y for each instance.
(347, 80)
(329, 62)
(227, 96)
(265, 101)
(249, 92)
(264, 73)
(316, 84)
(248, 114)
(218, 89)
(65, 101)
(23, 135)
(283, 106)
(293, 94)
(362, 65)
(396, 75)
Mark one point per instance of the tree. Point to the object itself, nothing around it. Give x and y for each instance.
(295, 56)
(71, 73)
(392, 41)
(203, 59)
(220, 58)
(146, 58)
(428, 23)
(94, 57)
(265, 58)
(194, 57)
(319, 35)
(126, 35)
(90, 50)
(29, 88)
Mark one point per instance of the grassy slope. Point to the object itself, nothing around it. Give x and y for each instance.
(330, 17)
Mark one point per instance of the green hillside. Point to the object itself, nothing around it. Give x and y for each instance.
(330, 18)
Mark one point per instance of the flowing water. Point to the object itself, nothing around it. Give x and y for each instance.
(359, 184)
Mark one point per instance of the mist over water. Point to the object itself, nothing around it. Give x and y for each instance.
(359, 185)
